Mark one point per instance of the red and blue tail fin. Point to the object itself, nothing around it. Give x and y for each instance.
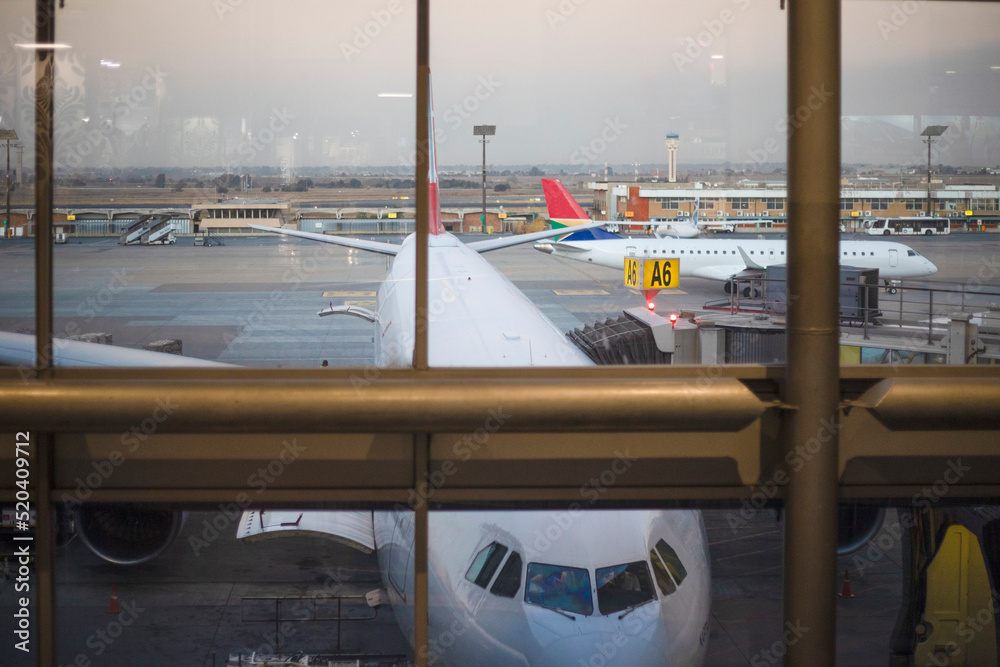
(563, 209)
(433, 200)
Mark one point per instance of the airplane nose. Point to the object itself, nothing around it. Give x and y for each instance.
(931, 268)
(544, 247)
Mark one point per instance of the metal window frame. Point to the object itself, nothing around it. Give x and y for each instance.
(860, 413)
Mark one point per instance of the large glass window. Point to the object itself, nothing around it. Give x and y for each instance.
(302, 118)
(166, 158)
(920, 134)
(17, 176)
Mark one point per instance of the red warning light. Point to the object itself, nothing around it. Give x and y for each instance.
(673, 319)
(651, 305)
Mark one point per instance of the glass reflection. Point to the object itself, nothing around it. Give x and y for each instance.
(17, 177)
(165, 158)
(920, 139)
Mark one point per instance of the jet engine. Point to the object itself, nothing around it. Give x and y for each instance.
(127, 534)
(857, 524)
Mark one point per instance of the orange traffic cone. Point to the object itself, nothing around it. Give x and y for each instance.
(845, 592)
(113, 609)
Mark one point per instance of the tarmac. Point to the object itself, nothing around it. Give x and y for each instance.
(254, 302)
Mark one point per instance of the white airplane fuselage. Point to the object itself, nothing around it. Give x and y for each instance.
(719, 259)
(477, 317)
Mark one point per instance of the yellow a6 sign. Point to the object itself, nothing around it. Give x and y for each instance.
(651, 273)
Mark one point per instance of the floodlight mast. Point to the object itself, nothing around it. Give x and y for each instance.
(484, 131)
(931, 131)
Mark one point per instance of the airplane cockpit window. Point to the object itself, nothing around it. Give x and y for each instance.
(623, 586)
(559, 587)
(508, 582)
(663, 579)
(912, 253)
(664, 554)
(485, 564)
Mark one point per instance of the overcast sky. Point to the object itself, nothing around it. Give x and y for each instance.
(245, 83)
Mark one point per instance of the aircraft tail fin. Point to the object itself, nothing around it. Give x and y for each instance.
(433, 201)
(563, 209)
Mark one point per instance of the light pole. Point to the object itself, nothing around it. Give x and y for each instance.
(930, 132)
(484, 131)
(9, 135)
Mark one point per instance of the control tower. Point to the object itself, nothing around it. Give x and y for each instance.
(673, 140)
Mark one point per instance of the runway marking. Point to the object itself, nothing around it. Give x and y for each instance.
(346, 294)
(363, 302)
(579, 292)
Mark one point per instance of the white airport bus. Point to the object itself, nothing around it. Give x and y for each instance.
(908, 225)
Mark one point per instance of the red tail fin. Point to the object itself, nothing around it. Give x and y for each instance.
(433, 201)
(561, 204)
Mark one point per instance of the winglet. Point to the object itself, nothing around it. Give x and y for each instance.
(433, 201)
(749, 262)
(563, 209)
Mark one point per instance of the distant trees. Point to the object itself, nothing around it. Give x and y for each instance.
(535, 171)
(457, 183)
(396, 183)
(501, 187)
(161, 181)
(302, 185)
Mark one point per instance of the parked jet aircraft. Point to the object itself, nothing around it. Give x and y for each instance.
(722, 259)
(501, 589)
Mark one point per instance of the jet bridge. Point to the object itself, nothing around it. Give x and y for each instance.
(637, 336)
(148, 230)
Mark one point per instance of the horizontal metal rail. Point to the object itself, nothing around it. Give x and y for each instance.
(938, 405)
(707, 400)
(380, 405)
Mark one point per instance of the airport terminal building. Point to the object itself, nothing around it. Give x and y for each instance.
(766, 205)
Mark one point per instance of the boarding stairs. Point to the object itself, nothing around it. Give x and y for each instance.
(148, 229)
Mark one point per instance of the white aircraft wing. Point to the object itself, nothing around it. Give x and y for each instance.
(19, 350)
(372, 246)
(355, 528)
(506, 241)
